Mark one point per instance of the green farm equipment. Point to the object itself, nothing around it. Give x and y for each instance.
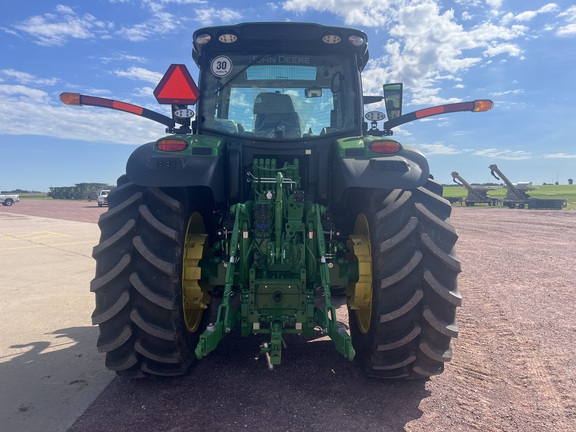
(269, 200)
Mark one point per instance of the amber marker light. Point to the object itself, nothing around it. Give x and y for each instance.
(70, 98)
(172, 145)
(483, 105)
(385, 147)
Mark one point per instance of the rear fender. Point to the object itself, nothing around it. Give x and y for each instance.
(407, 170)
(148, 167)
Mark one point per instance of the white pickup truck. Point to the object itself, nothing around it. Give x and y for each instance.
(103, 197)
(8, 200)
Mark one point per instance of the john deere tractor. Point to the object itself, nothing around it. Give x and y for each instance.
(278, 193)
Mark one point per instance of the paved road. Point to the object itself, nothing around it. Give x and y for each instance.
(50, 371)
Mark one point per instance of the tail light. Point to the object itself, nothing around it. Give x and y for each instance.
(385, 147)
(172, 145)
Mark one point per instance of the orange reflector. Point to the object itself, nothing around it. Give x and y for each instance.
(123, 106)
(172, 145)
(427, 112)
(385, 147)
(483, 105)
(70, 98)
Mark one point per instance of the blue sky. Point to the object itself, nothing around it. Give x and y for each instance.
(520, 54)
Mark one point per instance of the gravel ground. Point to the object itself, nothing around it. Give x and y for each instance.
(79, 211)
(513, 366)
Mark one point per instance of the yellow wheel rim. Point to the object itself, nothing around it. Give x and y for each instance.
(360, 294)
(195, 294)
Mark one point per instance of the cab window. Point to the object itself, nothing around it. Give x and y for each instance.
(279, 96)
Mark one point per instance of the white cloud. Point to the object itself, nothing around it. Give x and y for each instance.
(184, 1)
(429, 96)
(427, 45)
(569, 14)
(17, 93)
(550, 7)
(529, 15)
(143, 92)
(567, 30)
(569, 27)
(504, 154)
(487, 31)
(209, 16)
(496, 4)
(55, 29)
(501, 93)
(560, 156)
(46, 117)
(438, 149)
(161, 23)
(504, 48)
(369, 13)
(525, 16)
(122, 57)
(141, 74)
(27, 78)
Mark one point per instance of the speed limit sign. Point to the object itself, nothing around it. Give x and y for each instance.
(221, 66)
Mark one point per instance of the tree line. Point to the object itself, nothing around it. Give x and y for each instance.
(18, 192)
(80, 191)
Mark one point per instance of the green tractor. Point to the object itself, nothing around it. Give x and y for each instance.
(271, 199)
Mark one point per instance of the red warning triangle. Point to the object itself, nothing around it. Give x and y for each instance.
(177, 87)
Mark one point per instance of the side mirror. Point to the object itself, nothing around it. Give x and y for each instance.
(393, 99)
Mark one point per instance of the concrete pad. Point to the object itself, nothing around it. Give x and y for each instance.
(50, 370)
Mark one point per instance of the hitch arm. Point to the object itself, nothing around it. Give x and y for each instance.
(226, 318)
(327, 317)
(78, 99)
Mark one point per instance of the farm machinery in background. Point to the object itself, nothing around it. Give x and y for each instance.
(477, 194)
(516, 195)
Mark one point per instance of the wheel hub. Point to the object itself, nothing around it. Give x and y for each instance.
(360, 294)
(195, 294)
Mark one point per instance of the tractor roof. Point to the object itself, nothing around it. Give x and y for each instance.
(254, 38)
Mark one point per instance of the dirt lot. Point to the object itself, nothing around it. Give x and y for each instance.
(79, 211)
(513, 366)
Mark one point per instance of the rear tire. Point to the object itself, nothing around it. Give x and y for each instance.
(138, 283)
(414, 287)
